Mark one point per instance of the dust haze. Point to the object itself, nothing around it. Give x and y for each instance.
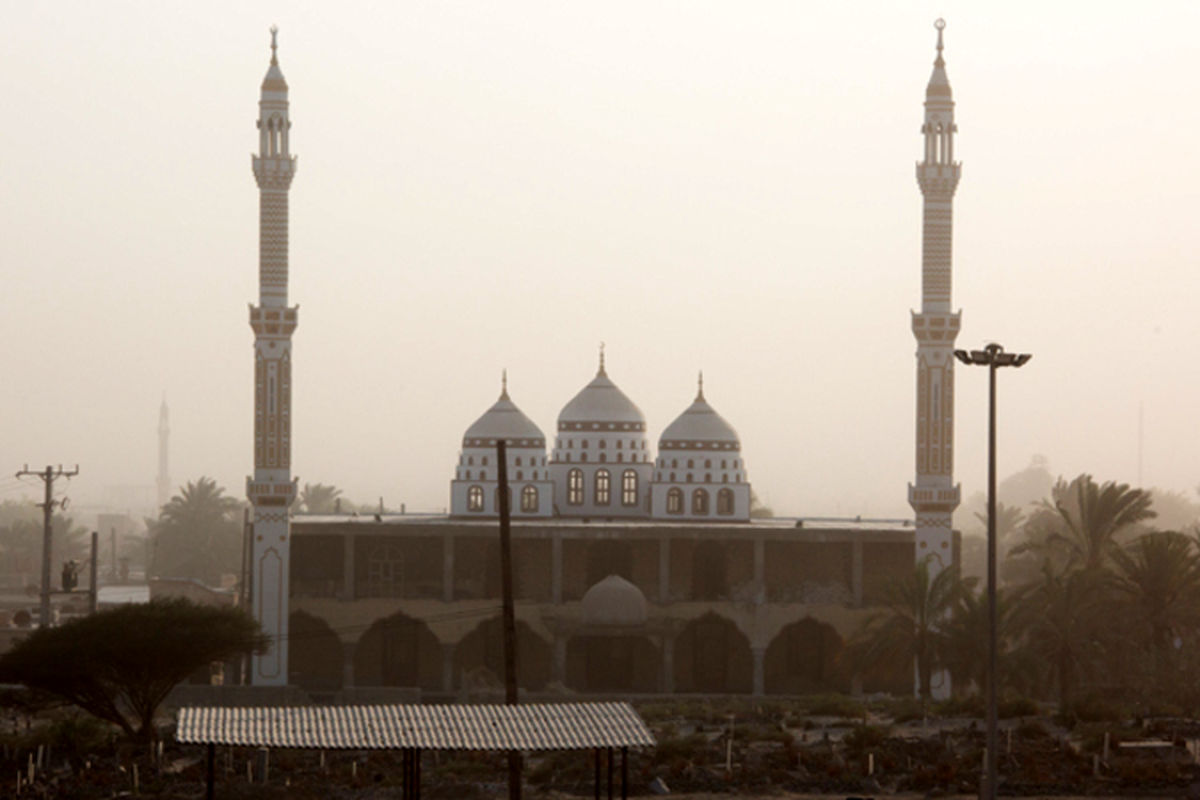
(490, 186)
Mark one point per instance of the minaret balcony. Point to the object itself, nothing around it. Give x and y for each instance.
(266, 321)
(270, 493)
(934, 498)
(936, 328)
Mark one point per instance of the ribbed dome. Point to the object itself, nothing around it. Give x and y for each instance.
(503, 421)
(699, 423)
(601, 401)
(614, 601)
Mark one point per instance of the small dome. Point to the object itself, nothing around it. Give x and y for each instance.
(503, 421)
(614, 601)
(273, 81)
(699, 423)
(601, 401)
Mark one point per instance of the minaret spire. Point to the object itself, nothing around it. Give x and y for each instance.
(601, 370)
(934, 495)
(504, 384)
(272, 488)
(164, 436)
(700, 388)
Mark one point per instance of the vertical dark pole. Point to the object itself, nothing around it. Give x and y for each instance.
(47, 515)
(991, 583)
(510, 621)
(610, 775)
(417, 774)
(597, 755)
(624, 773)
(212, 759)
(244, 589)
(92, 595)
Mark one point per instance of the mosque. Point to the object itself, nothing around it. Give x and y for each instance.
(638, 568)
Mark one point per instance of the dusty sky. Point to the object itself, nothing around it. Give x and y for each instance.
(716, 186)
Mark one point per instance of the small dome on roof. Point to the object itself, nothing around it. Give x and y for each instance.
(601, 401)
(503, 421)
(699, 423)
(614, 601)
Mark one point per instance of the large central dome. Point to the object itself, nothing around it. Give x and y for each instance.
(600, 401)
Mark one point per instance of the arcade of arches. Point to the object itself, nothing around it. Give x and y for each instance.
(708, 655)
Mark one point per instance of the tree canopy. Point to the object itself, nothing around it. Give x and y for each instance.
(120, 664)
(198, 534)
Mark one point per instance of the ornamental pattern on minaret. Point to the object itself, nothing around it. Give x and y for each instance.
(934, 496)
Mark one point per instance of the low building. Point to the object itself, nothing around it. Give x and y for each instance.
(602, 605)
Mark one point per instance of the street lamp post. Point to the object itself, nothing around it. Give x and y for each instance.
(993, 357)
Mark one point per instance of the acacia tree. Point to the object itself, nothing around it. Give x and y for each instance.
(119, 665)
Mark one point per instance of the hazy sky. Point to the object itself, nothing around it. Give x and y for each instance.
(717, 186)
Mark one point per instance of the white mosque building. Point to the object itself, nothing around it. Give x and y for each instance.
(602, 466)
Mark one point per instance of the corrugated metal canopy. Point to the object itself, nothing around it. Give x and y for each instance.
(537, 726)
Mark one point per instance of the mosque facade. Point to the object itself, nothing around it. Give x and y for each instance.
(638, 568)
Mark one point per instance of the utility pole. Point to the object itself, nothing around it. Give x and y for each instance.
(509, 615)
(47, 507)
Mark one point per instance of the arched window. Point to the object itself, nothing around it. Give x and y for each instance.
(468, 474)
(483, 474)
(484, 461)
(475, 498)
(725, 501)
(518, 461)
(708, 477)
(674, 463)
(629, 488)
(619, 443)
(602, 444)
(529, 499)
(603, 487)
(471, 460)
(575, 487)
(520, 475)
(603, 457)
(583, 457)
(707, 463)
(689, 477)
(583, 444)
(620, 456)
(699, 502)
(672, 477)
(675, 501)
(691, 463)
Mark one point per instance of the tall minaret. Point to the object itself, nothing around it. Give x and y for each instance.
(935, 495)
(272, 488)
(164, 472)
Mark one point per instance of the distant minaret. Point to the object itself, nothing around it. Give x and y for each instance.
(272, 488)
(935, 495)
(164, 472)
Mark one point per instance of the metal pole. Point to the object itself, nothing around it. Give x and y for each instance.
(212, 759)
(509, 619)
(93, 595)
(47, 512)
(990, 793)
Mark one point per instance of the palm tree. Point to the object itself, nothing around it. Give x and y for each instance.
(1157, 582)
(966, 642)
(1063, 616)
(1080, 526)
(1093, 516)
(197, 535)
(319, 498)
(909, 626)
